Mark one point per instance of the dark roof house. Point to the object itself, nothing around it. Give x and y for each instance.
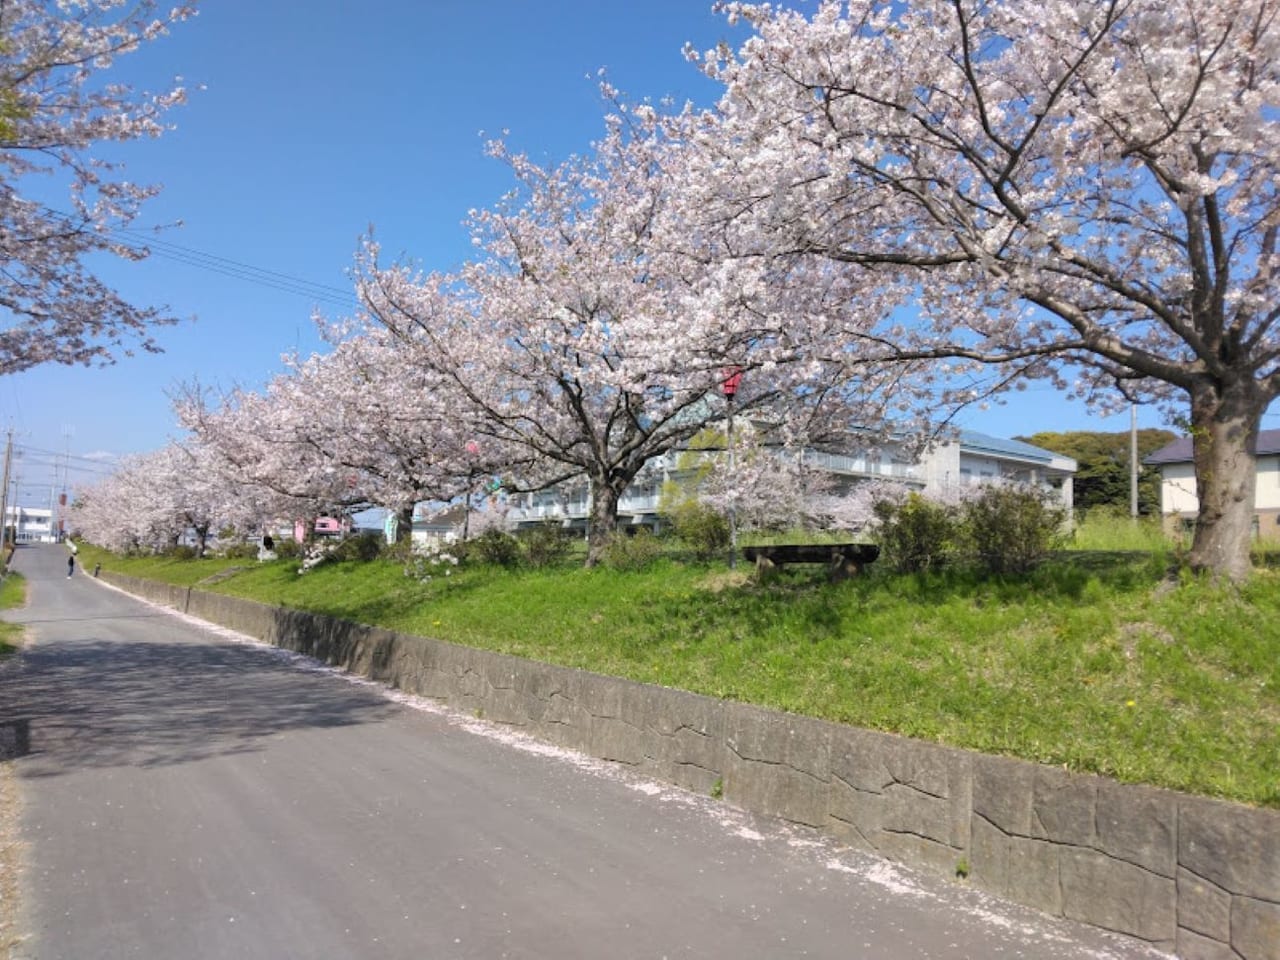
(1180, 450)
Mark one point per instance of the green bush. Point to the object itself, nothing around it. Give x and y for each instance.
(493, 547)
(288, 549)
(362, 547)
(701, 529)
(916, 534)
(180, 551)
(545, 544)
(1010, 530)
(401, 551)
(632, 552)
(240, 551)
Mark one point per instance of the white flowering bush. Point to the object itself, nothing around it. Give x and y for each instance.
(315, 554)
(435, 558)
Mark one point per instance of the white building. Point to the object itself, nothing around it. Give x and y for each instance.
(30, 524)
(1179, 505)
(976, 458)
(970, 459)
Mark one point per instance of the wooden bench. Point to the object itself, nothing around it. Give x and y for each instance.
(842, 559)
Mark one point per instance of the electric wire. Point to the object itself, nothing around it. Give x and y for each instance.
(320, 292)
(146, 243)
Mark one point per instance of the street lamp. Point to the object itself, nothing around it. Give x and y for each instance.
(473, 451)
(732, 379)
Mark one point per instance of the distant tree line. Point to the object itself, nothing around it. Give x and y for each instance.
(1102, 476)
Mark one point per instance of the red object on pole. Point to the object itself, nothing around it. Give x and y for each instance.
(732, 378)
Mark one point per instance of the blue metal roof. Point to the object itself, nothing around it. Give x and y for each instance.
(975, 442)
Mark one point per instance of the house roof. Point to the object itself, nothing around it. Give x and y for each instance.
(973, 441)
(443, 519)
(1180, 450)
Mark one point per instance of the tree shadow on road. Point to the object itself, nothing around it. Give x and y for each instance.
(97, 703)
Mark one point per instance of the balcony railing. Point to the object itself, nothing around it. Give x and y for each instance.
(848, 463)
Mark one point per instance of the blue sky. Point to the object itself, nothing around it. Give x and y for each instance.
(319, 120)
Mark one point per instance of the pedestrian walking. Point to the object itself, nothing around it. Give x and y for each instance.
(71, 565)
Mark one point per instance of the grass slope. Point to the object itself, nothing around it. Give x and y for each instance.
(1095, 662)
(13, 593)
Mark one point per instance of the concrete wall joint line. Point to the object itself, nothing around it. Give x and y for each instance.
(915, 788)
(781, 764)
(684, 727)
(851, 825)
(997, 828)
(865, 791)
(690, 765)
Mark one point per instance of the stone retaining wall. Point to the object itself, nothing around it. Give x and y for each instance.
(1193, 876)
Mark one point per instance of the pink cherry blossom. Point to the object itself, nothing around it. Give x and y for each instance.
(1085, 192)
(55, 108)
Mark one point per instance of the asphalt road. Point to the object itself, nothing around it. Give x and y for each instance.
(186, 796)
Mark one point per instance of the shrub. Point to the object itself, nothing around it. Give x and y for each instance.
(1011, 529)
(916, 534)
(493, 547)
(545, 544)
(240, 551)
(701, 529)
(180, 551)
(288, 549)
(632, 552)
(434, 559)
(399, 551)
(316, 553)
(362, 547)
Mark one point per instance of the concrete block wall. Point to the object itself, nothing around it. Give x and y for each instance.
(1196, 877)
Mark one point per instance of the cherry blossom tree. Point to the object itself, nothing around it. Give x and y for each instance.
(1064, 188)
(269, 444)
(391, 421)
(151, 501)
(55, 108)
(593, 333)
(775, 485)
(107, 512)
(357, 426)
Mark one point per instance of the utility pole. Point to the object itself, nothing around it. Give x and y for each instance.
(1133, 460)
(67, 431)
(4, 498)
(730, 384)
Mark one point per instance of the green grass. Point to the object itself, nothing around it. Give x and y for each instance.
(1105, 529)
(1094, 662)
(13, 593)
(184, 573)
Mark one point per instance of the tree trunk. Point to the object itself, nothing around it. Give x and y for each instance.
(602, 523)
(1224, 433)
(202, 539)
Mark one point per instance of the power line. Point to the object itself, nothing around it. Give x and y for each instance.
(60, 455)
(236, 269)
(146, 243)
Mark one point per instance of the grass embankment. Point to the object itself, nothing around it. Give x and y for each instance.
(1094, 662)
(13, 593)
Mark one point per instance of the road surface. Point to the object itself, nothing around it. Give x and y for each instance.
(187, 796)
